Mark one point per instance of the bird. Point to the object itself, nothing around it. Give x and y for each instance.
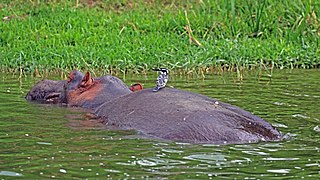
(162, 78)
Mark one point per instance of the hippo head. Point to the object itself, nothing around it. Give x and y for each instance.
(92, 92)
(79, 90)
(50, 91)
(47, 91)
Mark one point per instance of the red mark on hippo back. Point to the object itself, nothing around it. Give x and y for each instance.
(136, 87)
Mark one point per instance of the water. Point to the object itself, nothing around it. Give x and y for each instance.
(47, 141)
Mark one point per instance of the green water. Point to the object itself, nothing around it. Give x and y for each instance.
(47, 141)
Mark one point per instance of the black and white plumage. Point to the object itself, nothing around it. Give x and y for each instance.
(162, 78)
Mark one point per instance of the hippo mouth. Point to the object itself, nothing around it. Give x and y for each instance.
(53, 97)
(45, 98)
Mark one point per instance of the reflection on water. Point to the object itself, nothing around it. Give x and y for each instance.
(9, 173)
(48, 141)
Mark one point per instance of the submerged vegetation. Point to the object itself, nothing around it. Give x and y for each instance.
(127, 35)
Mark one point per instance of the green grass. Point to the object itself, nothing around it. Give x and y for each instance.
(135, 36)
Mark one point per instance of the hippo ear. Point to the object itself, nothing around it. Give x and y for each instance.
(87, 80)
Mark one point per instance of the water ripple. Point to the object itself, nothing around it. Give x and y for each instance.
(10, 173)
(208, 158)
(300, 116)
(280, 159)
(278, 125)
(44, 143)
(171, 151)
(260, 153)
(281, 171)
(145, 162)
(313, 164)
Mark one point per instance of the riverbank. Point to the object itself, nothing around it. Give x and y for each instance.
(129, 36)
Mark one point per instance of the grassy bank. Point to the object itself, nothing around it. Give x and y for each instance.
(126, 35)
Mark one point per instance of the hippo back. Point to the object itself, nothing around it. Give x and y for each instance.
(178, 115)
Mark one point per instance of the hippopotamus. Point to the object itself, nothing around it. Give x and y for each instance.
(169, 114)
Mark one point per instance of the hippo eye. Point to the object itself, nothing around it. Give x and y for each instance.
(82, 85)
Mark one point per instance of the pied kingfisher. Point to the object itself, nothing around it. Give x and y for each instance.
(162, 78)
